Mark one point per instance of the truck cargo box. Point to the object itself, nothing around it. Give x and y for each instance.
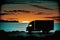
(38, 25)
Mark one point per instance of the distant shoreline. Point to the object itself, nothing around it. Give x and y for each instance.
(7, 21)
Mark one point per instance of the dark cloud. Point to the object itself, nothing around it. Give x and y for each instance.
(42, 13)
(39, 13)
(12, 12)
(56, 17)
(21, 11)
(17, 11)
(6, 13)
(42, 7)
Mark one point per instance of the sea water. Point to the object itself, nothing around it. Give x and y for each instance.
(15, 26)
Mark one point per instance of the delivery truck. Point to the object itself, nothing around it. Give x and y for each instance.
(38, 25)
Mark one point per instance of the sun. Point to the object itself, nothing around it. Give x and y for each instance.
(25, 21)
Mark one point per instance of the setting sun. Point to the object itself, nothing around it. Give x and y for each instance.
(25, 22)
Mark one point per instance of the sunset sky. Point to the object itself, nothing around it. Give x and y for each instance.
(46, 10)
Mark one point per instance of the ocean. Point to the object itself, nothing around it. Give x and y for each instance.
(15, 26)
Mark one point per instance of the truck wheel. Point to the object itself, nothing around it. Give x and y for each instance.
(45, 32)
(29, 32)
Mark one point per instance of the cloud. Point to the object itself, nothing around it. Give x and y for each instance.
(6, 13)
(13, 12)
(42, 13)
(18, 11)
(42, 7)
(56, 17)
(9, 12)
(39, 13)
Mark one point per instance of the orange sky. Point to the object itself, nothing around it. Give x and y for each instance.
(27, 17)
(34, 14)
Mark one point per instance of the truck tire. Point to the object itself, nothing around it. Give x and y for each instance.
(45, 31)
(29, 32)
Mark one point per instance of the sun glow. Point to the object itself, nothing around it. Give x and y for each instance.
(25, 22)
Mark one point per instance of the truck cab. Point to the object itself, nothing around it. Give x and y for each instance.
(38, 25)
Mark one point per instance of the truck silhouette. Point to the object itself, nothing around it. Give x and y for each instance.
(38, 25)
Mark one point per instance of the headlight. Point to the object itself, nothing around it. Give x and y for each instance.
(30, 25)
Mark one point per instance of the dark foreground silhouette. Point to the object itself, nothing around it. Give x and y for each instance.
(21, 35)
